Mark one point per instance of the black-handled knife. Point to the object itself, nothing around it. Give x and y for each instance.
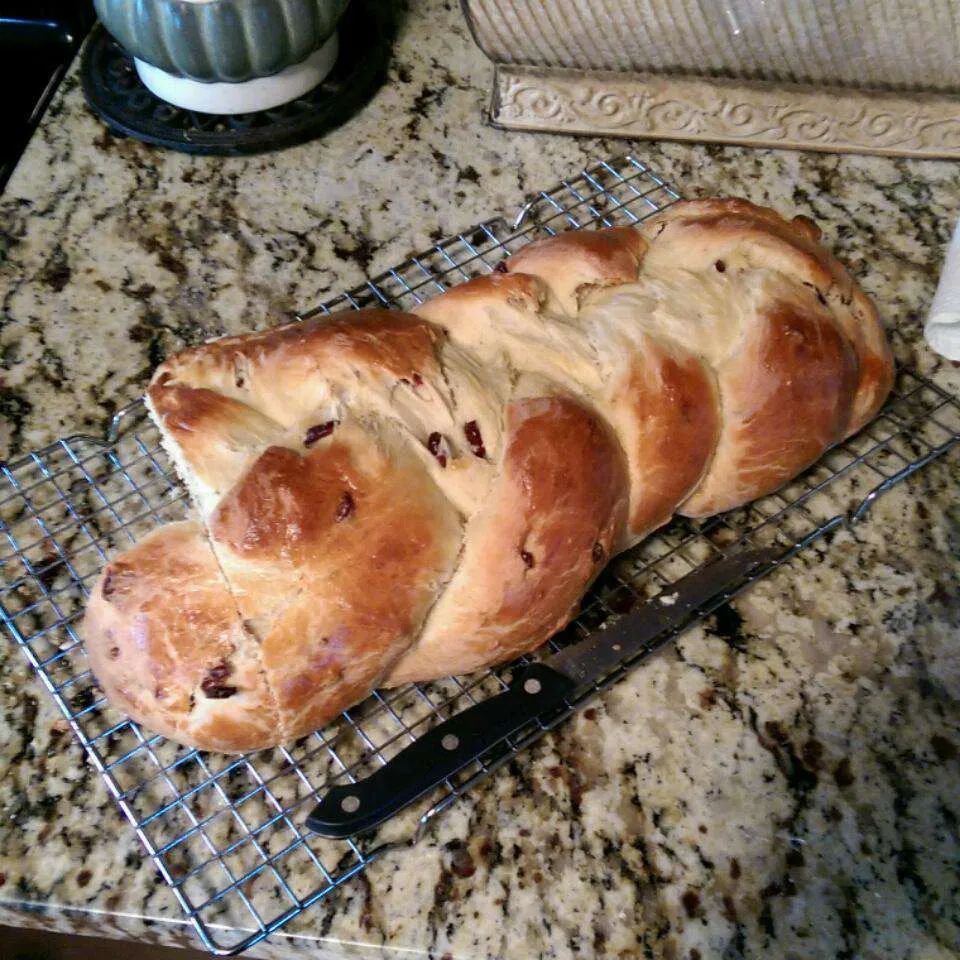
(535, 691)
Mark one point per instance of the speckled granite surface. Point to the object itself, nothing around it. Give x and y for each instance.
(784, 782)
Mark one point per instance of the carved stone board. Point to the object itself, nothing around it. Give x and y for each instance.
(755, 113)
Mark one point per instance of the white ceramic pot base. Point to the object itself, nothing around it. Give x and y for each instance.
(250, 96)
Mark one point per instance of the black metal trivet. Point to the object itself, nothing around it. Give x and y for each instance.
(117, 95)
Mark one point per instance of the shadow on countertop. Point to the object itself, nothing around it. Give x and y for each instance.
(21, 944)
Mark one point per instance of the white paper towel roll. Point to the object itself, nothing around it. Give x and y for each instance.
(943, 324)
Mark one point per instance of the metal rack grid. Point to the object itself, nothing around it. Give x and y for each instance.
(227, 833)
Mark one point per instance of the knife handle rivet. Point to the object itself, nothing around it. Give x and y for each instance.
(616, 647)
(350, 804)
(450, 742)
(532, 685)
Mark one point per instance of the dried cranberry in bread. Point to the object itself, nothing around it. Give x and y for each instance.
(385, 497)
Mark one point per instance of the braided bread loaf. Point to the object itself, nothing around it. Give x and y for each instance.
(385, 497)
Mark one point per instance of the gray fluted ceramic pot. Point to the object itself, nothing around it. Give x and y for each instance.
(221, 40)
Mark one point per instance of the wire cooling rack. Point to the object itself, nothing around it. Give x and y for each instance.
(228, 833)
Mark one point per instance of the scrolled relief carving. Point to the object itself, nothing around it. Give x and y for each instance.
(526, 100)
(881, 125)
(942, 133)
(675, 115)
(748, 119)
(608, 104)
(695, 109)
(613, 108)
(808, 126)
(742, 115)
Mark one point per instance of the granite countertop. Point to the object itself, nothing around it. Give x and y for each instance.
(785, 781)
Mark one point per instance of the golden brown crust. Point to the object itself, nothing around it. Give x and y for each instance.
(403, 497)
(786, 396)
(385, 339)
(518, 290)
(286, 372)
(333, 538)
(290, 508)
(212, 431)
(677, 423)
(549, 524)
(570, 261)
(167, 645)
(659, 397)
(355, 541)
(699, 233)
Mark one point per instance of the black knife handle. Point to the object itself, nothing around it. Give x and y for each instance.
(353, 808)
